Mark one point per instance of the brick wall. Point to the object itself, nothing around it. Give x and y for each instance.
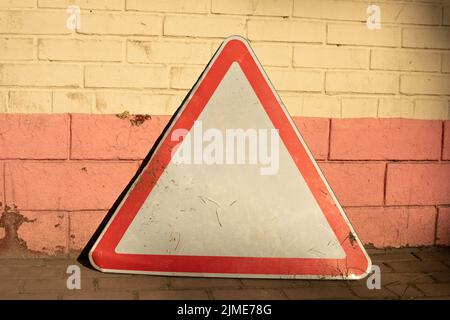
(373, 105)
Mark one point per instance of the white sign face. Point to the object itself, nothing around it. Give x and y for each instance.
(231, 190)
(232, 209)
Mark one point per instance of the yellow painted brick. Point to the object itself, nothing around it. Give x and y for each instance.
(286, 30)
(253, 7)
(168, 52)
(431, 109)
(16, 49)
(40, 75)
(416, 13)
(361, 82)
(405, 60)
(425, 84)
(184, 77)
(296, 80)
(73, 102)
(446, 63)
(331, 57)
(17, 3)
(192, 6)
(327, 9)
(109, 76)
(357, 11)
(80, 50)
(293, 103)
(356, 107)
(30, 102)
(321, 106)
(204, 26)
(446, 16)
(33, 22)
(395, 108)
(436, 38)
(121, 24)
(83, 4)
(359, 34)
(109, 102)
(175, 101)
(273, 55)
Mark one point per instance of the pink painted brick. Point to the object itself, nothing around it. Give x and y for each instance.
(82, 226)
(394, 226)
(315, 131)
(418, 183)
(66, 185)
(446, 142)
(356, 184)
(38, 136)
(443, 226)
(385, 139)
(2, 184)
(110, 137)
(45, 232)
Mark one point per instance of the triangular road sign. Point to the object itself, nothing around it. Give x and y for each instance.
(200, 208)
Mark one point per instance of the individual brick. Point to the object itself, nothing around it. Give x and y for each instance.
(394, 226)
(83, 4)
(361, 82)
(117, 102)
(30, 102)
(203, 26)
(287, 31)
(62, 185)
(80, 50)
(108, 76)
(72, 102)
(26, 136)
(45, 232)
(395, 108)
(249, 7)
(273, 55)
(168, 52)
(40, 75)
(315, 132)
(424, 84)
(184, 77)
(296, 80)
(83, 224)
(16, 49)
(426, 38)
(418, 183)
(405, 60)
(385, 139)
(356, 184)
(359, 34)
(331, 57)
(110, 137)
(431, 109)
(177, 6)
(132, 24)
(33, 22)
(321, 106)
(355, 107)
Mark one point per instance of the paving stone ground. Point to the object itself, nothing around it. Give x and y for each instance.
(408, 273)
